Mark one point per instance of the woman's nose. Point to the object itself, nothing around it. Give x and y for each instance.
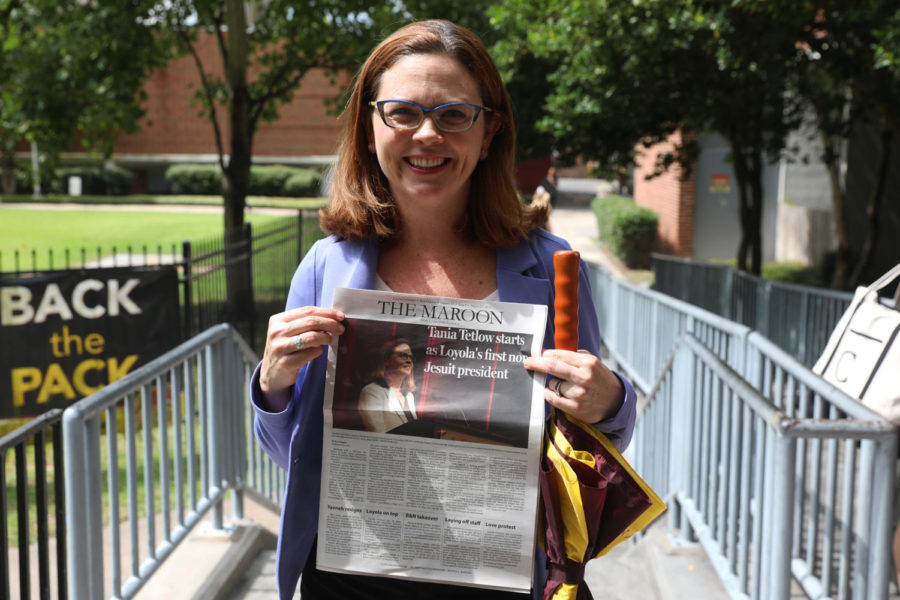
(428, 131)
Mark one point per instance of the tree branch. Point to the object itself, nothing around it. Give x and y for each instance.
(207, 90)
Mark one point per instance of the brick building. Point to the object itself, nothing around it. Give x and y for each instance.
(670, 195)
(172, 131)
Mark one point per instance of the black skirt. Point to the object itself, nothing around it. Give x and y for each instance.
(324, 585)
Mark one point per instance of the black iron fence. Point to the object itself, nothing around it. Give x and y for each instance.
(37, 490)
(259, 260)
(797, 318)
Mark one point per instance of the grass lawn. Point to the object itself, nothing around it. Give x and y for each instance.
(41, 230)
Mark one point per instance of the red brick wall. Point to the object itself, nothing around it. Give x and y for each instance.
(669, 196)
(172, 125)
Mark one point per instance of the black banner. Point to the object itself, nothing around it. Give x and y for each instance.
(66, 334)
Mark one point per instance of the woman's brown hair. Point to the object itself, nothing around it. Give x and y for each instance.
(385, 351)
(361, 203)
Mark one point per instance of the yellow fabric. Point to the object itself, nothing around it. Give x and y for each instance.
(570, 505)
(657, 506)
(573, 509)
(566, 591)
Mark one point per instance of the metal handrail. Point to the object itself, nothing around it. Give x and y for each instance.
(752, 471)
(189, 411)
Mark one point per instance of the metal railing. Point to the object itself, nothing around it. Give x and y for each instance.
(778, 474)
(771, 468)
(797, 318)
(149, 455)
(43, 495)
(786, 485)
(640, 327)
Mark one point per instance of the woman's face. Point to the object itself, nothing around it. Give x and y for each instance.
(400, 360)
(427, 167)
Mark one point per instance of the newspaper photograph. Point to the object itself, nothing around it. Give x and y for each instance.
(432, 440)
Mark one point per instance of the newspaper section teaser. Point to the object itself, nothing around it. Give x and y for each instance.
(432, 440)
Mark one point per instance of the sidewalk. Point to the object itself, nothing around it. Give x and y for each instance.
(242, 566)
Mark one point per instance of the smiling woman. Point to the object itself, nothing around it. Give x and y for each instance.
(55, 230)
(422, 202)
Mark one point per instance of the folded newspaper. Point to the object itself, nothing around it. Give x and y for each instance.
(432, 440)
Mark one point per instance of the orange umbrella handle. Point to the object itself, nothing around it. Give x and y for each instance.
(565, 307)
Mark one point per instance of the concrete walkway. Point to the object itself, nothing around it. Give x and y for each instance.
(241, 566)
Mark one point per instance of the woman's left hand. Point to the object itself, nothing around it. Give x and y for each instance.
(580, 385)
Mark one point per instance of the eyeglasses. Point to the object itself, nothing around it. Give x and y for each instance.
(451, 118)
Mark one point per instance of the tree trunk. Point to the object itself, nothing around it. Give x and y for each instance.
(873, 208)
(7, 169)
(748, 178)
(239, 284)
(756, 212)
(842, 258)
(740, 177)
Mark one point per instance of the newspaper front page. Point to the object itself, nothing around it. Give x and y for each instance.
(432, 440)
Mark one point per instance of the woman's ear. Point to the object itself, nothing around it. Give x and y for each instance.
(492, 129)
(370, 135)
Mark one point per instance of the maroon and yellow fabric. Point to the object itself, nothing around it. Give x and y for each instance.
(592, 500)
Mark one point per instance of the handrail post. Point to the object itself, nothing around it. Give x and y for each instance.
(727, 294)
(882, 506)
(785, 447)
(238, 449)
(213, 414)
(85, 569)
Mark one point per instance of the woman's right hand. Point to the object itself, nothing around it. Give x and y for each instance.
(307, 328)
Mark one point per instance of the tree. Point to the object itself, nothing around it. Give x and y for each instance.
(262, 61)
(851, 77)
(66, 69)
(631, 72)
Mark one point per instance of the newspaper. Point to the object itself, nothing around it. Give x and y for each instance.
(432, 440)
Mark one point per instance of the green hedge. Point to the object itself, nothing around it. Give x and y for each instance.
(265, 180)
(628, 229)
(94, 180)
(205, 180)
(304, 183)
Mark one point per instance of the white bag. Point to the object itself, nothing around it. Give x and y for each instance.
(862, 357)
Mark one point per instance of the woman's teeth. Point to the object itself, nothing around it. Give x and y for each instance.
(426, 163)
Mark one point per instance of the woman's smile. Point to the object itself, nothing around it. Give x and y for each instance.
(426, 164)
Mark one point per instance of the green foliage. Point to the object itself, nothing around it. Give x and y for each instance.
(194, 179)
(94, 180)
(74, 67)
(272, 180)
(627, 229)
(268, 180)
(265, 180)
(303, 184)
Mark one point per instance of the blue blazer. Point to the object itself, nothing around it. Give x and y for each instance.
(293, 437)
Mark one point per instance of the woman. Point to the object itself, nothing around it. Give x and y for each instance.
(387, 401)
(422, 202)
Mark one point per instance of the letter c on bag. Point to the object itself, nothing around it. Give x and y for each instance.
(839, 373)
